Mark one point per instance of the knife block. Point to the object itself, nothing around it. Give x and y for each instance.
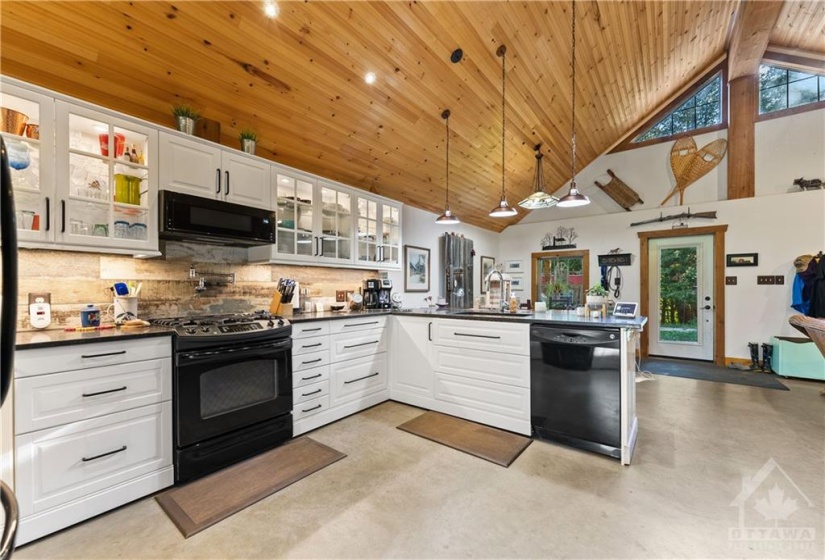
(277, 307)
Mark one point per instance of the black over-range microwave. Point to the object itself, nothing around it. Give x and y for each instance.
(185, 217)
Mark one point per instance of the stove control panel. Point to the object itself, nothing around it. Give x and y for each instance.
(240, 327)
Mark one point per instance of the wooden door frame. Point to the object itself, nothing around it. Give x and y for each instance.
(718, 233)
(534, 258)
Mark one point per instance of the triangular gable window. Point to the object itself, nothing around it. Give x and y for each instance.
(783, 88)
(700, 111)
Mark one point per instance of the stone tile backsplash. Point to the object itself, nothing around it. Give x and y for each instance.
(76, 279)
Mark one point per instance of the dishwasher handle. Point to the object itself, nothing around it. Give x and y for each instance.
(575, 337)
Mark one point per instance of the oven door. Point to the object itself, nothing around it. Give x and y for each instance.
(221, 390)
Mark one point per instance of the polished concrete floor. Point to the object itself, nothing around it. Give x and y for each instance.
(397, 495)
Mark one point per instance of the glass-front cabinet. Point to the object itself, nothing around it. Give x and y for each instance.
(106, 180)
(335, 239)
(28, 131)
(294, 208)
(378, 232)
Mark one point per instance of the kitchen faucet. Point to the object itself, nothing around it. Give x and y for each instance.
(503, 304)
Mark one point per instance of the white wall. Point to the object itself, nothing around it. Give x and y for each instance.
(419, 229)
(787, 149)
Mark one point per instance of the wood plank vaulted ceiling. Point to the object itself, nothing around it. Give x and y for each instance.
(298, 79)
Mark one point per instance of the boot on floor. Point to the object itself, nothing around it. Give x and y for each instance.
(767, 354)
(754, 349)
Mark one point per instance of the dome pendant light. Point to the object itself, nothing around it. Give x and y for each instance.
(447, 218)
(540, 198)
(573, 196)
(503, 210)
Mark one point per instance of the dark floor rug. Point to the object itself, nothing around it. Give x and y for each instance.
(484, 442)
(204, 502)
(711, 372)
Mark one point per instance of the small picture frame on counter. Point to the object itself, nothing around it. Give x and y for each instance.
(742, 259)
(514, 266)
(416, 269)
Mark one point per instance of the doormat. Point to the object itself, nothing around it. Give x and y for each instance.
(206, 501)
(711, 372)
(484, 442)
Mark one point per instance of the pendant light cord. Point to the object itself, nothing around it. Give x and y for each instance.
(446, 116)
(503, 89)
(573, 158)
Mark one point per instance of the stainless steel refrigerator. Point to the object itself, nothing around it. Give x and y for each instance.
(8, 320)
(457, 270)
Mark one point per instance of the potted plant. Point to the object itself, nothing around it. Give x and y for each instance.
(596, 295)
(248, 140)
(185, 117)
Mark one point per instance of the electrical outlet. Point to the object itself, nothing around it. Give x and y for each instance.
(730, 280)
(780, 280)
(340, 296)
(765, 280)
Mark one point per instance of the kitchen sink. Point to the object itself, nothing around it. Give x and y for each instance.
(492, 312)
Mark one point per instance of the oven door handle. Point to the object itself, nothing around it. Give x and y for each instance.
(251, 350)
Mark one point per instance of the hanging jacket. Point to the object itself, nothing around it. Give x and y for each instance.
(797, 301)
(817, 308)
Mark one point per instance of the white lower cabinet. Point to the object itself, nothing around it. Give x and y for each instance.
(346, 372)
(478, 370)
(89, 440)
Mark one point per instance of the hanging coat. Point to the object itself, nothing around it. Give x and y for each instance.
(818, 290)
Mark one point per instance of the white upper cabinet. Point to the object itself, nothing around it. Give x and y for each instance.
(106, 180)
(334, 227)
(200, 168)
(28, 131)
(378, 236)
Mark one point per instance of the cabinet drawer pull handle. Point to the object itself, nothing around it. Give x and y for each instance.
(104, 392)
(311, 330)
(48, 214)
(312, 361)
(62, 216)
(316, 407)
(311, 377)
(312, 345)
(226, 192)
(86, 356)
(362, 378)
(430, 331)
(361, 324)
(218, 181)
(311, 392)
(362, 344)
(86, 459)
(477, 335)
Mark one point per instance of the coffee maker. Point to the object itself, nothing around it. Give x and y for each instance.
(377, 293)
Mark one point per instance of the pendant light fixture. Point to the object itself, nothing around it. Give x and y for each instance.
(540, 198)
(573, 196)
(447, 218)
(503, 210)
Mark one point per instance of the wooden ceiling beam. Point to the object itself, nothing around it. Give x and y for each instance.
(753, 23)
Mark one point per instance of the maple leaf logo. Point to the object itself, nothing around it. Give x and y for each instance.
(776, 507)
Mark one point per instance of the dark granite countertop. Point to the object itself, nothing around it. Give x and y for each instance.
(550, 318)
(44, 339)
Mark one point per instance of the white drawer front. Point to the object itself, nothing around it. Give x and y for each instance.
(44, 401)
(309, 392)
(357, 378)
(94, 354)
(310, 328)
(308, 361)
(347, 345)
(361, 323)
(309, 408)
(511, 369)
(494, 399)
(483, 335)
(311, 344)
(307, 376)
(51, 469)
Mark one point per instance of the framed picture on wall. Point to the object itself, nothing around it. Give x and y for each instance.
(416, 269)
(517, 282)
(514, 266)
(487, 264)
(743, 259)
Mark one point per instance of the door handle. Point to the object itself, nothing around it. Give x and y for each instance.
(218, 181)
(62, 216)
(48, 214)
(227, 183)
(316, 246)
(707, 307)
(430, 331)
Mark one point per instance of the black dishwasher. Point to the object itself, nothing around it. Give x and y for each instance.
(575, 387)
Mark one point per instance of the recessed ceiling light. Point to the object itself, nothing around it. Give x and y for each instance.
(369, 77)
(271, 9)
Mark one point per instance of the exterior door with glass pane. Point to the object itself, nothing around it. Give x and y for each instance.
(295, 214)
(390, 249)
(335, 228)
(28, 131)
(681, 297)
(107, 180)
